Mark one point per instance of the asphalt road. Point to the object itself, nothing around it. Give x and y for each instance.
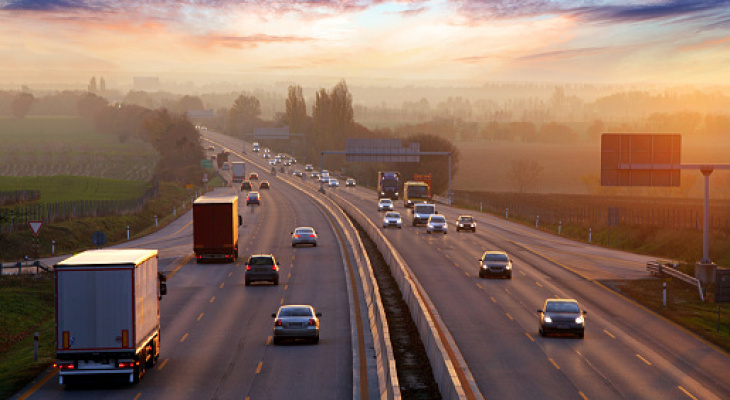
(216, 333)
(628, 352)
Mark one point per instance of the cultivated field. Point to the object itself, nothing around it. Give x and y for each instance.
(69, 188)
(575, 169)
(47, 146)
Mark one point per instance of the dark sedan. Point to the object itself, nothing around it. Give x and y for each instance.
(562, 316)
(253, 198)
(262, 267)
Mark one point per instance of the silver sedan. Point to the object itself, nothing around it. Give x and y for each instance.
(304, 235)
(296, 322)
(392, 219)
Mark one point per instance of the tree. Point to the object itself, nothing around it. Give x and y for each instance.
(187, 103)
(437, 166)
(139, 98)
(525, 174)
(243, 115)
(90, 105)
(178, 143)
(296, 110)
(22, 104)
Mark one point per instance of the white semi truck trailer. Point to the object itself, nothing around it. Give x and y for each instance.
(108, 314)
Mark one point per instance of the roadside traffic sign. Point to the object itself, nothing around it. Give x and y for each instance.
(35, 226)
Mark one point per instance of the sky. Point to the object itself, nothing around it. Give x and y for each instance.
(374, 42)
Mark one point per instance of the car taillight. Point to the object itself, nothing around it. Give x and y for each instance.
(312, 322)
(67, 365)
(248, 267)
(311, 235)
(278, 322)
(273, 267)
(125, 364)
(297, 236)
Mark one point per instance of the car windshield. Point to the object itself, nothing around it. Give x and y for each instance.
(438, 219)
(261, 261)
(385, 201)
(392, 215)
(561, 306)
(296, 312)
(465, 219)
(496, 257)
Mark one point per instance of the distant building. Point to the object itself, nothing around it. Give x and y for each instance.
(146, 83)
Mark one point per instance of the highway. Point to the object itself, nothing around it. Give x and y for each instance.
(628, 352)
(216, 332)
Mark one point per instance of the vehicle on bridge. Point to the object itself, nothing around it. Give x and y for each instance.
(437, 223)
(421, 213)
(108, 314)
(296, 322)
(253, 198)
(238, 172)
(495, 263)
(416, 192)
(262, 267)
(562, 316)
(392, 219)
(304, 235)
(215, 228)
(388, 184)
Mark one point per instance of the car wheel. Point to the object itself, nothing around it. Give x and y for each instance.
(293, 245)
(509, 276)
(315, 340)
(315, 245)
(247, 282)
(542, 332)
(429, 232)
(581, 335)
(276, 282)
(277, 341)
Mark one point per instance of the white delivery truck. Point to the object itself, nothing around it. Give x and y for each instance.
(421, 212)
(108, 314)
(238, 172)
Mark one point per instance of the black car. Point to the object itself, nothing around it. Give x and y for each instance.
(466, 223)
(262, 267)
(495, 263)
(562, 316)
(246, 185)
(264, 185)
(253, 198)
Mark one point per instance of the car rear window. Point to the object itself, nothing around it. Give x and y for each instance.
(261, 261)
(296, 312)
(304, 231)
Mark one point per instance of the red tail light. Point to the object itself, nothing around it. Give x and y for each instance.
(273, 267)
(311, 235)
(312, 322)
(248, 267)
(64, 366)
(125, 364)
(278, 322)
(297, 236)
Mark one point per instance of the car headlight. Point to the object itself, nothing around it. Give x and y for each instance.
(548, 320)
(396, 193)
(484, 266)
(461, 225)
(508, 266)
(579, 320)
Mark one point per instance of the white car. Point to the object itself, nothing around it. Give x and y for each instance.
(392, 219)
(437, 223)
(385, 205)
(334, 182)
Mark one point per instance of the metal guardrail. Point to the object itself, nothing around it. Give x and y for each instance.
(23, 267)
(661, 268)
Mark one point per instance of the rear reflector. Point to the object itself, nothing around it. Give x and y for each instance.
(64, 366)
(125, 364)
(248, 267)
(312, 322)
(278, 322)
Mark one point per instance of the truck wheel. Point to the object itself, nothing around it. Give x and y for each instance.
(139, 369)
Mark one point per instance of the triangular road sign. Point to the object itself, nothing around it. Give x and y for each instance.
(35, 226)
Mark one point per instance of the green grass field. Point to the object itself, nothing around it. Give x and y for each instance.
(69, 188)
(46, 146)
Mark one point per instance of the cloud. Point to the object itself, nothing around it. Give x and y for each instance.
(238, 42)
(563, 54)
(44, 5)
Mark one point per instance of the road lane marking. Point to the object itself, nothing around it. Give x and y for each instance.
(538, 284)
(523, 273)
(258, 369)
(493, 299)
(137, 396)
(529, 336)
(582, 396)
(185, 336)
(289, 276)
(466, 273)
(643, 359)
(183, 262)
(286, 286)
(687, 393)
(554, 363)
(38, 385)
(212, 299)
(162, 365)
(479, 286)
(221, 286)
(281, 303)
(230, 273)
(609, 334)
(268, 340)
(510, 317)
